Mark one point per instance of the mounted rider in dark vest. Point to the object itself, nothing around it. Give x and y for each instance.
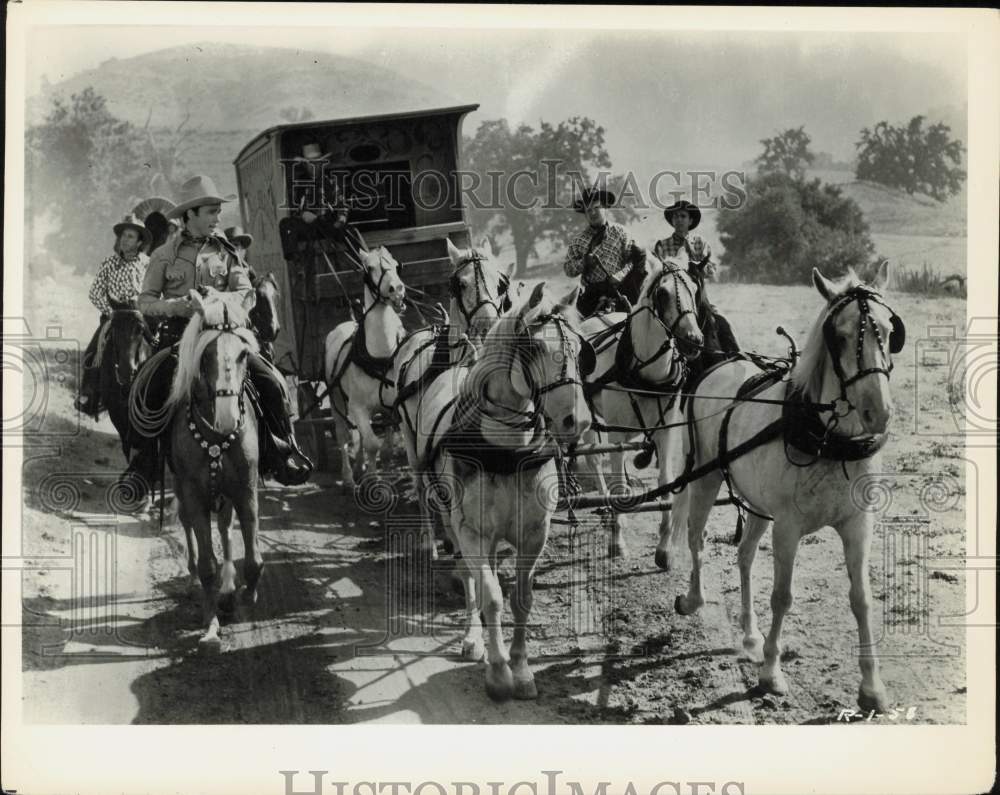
(201, 258)
(684, 217)
(610, 265)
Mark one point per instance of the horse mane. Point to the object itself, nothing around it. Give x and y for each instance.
(807, 375)
(195, 340)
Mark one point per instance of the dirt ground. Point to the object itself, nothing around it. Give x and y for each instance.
(348, 629)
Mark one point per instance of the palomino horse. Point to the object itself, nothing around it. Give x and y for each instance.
(489, 436)
(264, 315)
(809, 478)
(479, 292)
(214, 449)
(647, 351)
(357, 359)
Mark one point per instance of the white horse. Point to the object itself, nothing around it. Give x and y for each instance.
(486, 437)
(845, 363)
(356, 365)
(662, 333)
(479, 293)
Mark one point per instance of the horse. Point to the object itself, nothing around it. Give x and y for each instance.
(479, 293)
(807, 479)
(489, 437)
(648, 349)
(214, 450)
(264, 315)
(128, 342)
(357, 358)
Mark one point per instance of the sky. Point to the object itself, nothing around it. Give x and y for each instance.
(692, 93)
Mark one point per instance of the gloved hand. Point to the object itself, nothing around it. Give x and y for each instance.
(589, 262)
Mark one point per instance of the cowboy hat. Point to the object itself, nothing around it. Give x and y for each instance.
(312, 152)
(603, 198)
(154, 204)
(197, 192)
(693, 212)
(235, 234)
(131, 222)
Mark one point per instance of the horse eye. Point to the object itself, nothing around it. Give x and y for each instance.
(243, 355)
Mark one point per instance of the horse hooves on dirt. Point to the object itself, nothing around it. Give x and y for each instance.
(877, 702)
(227, 603)
(776, 684)
(499, 682)
(661, 559)
(682, 606)
(525, 690)
(210, 645)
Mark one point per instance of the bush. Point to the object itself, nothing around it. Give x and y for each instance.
(788, 226)
(928, 281)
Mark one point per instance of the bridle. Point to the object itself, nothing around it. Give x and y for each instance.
(501, 304)
(226, 327)
(147, 336)
(670, 331)
(863, 296)
(376, 287)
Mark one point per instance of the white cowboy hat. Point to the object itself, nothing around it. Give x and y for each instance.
(131, 222)
(197, 192)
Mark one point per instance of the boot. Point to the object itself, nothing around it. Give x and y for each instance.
(289, 465)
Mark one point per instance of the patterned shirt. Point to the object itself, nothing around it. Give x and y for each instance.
(609, 244)
(118, 279)
(698, 250)
(184, 263)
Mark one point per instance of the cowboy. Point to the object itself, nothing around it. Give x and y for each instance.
(242, 241)
(119, 278)
(308, 182)
(200, 258)
(684, 217)
(609, 262)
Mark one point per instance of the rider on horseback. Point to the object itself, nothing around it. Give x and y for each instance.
(611, 264)
(200, 258)
(118, 279)
(683, 216)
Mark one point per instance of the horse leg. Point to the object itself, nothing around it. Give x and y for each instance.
(342, 430)
(753, 640)
(194, 583)
(198, 511)
(253, 562)
(665, 548)
(369, 452)
(619, 486)
(785, 540)
(701, 500)
(527, 557)
(856, 535)
(473, 648)
(227, 589)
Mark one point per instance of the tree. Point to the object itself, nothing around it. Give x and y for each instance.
(528, 179)
(83, 167)
(788, 226)
(786, 153)
(912, 158)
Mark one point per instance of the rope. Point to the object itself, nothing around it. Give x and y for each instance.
(146, 421)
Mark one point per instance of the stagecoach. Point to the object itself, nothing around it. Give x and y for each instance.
(398, 172)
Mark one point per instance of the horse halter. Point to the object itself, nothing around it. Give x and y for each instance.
(671, 330)
(500, 305)
(586, 364)
(376, 287)
(863, 296)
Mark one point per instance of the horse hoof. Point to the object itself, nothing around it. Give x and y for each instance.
(249, 596)
(210, 646)
(499, 682)
(662, 560)
(525, 690)
(685, 606)
(754, 649)
(473, 650)
(877, 701)
(776, 684)
(227, 603)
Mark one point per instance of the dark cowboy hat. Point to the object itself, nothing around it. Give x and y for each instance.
(691, 210)
(235, 234)
(603, 198)
(130, 221)
(197, 192)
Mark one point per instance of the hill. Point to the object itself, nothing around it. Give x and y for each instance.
(234, 86)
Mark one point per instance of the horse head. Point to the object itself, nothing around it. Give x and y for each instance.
(129, 342)
(213, 357)
(548, 360)
(668, 303)
(382, 281)
(850, 348)
(479, 287)
(264, 314)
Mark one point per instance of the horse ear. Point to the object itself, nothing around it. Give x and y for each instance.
(536, 295)
(824, 285)
(453, 253)
(880, 275)
(571, 297)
